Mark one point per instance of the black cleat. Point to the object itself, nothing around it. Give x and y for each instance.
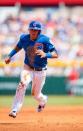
(40, 108)
(12, 114)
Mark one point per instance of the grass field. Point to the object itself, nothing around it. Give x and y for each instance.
(6, 101)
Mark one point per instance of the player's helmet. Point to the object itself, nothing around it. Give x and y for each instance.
(35, 25)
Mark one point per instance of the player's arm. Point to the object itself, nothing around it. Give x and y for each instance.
(17, 48)
(54, 54)
(12, 53)
(51, 54)
(50, 49)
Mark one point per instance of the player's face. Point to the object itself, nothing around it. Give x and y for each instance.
(33, 34)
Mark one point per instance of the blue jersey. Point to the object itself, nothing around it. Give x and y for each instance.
(31, 58)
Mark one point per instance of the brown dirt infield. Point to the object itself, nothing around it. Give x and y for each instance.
(52, 118)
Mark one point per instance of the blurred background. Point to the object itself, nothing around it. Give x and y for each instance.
(63, 23)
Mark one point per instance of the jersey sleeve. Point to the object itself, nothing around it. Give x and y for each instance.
(20, 42)
(50, 46)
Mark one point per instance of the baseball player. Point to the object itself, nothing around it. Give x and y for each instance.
(38, 48)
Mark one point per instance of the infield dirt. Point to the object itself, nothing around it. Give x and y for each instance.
(52, 118)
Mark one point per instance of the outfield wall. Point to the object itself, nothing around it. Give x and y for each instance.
(53, 85)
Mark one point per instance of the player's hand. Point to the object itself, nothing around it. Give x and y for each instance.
(41, 53)
(7, 60)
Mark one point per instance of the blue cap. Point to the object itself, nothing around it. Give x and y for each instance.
(35, 25)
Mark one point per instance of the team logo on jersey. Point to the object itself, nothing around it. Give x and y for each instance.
(31, 52)
(39, 46)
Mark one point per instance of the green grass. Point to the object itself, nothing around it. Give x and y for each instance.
(6, 101)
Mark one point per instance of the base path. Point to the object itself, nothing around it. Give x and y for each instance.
(52, 118)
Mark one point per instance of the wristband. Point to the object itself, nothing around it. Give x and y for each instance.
(13, 52)
(48, 55)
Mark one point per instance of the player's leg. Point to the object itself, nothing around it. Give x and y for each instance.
(37, 85)
(20, 91)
